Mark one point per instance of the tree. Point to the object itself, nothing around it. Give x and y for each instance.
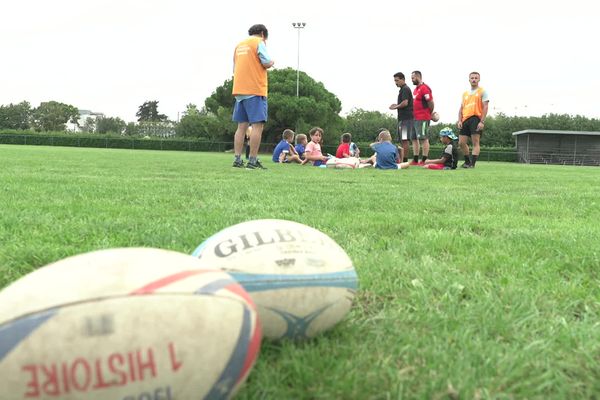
(315, 106)
(110, 125)
(52, 116)
(364, 124)
(201, 123)
(15, 116)
(148, 112)
(131, 129)
(89, 125)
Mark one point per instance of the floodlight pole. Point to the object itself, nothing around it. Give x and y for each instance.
(298, 26)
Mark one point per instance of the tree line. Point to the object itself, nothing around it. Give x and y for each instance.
(315, 106)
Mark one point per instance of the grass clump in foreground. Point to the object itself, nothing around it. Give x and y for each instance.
(478, 283)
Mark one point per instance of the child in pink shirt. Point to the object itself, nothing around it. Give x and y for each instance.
(313, 148)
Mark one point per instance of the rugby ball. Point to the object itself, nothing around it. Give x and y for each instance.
(300, 279)
(136, 323)
(348, 162)
(435, 117)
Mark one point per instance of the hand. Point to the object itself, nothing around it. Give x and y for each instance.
(480, 126)
(459, 124)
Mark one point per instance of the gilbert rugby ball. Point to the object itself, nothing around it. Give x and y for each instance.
(300, 279)
(126, 324)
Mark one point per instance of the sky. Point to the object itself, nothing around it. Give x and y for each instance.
(110, 56)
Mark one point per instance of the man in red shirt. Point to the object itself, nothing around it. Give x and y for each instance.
(422, 108)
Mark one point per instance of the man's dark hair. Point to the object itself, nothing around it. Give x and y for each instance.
(399, 75)
(258, 29)
(418, 73)
(474, 73)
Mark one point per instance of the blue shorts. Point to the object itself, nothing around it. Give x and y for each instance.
(253, 109)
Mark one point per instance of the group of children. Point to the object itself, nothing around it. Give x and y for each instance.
(386, 154)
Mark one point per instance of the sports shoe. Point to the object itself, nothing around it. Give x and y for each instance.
(255, 165)
(465, 165)
(238, 164)
(421, 163)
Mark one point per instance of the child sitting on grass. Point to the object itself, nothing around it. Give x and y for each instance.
(386, 154)
(284, 151)
(313, 148)
(347, 148)
(449, 157)
(301, 142)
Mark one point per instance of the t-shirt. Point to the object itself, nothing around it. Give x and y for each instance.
(343, 148)
(281, 147)
(387, 155)
(300, 150)
(405, 113)
(422, 95)
(450, 155)
(315, 150)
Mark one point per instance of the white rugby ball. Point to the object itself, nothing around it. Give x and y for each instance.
(136, 323)
(300, 279)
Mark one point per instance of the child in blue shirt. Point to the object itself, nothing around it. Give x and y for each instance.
(386, 154)
(301, 141)
(284, 151)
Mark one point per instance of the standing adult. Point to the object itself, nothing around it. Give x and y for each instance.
(471, 119)
(404, 106)
(422, 108)
(250, 87)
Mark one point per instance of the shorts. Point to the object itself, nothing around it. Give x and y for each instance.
(420, 130)
(470, 126)
(253, 109)
(405, 129)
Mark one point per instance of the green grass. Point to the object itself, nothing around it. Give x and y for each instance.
(476, 283)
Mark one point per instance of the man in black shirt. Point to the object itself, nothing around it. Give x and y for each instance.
(404, 106)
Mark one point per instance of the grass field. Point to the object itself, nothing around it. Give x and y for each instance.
(474, 284)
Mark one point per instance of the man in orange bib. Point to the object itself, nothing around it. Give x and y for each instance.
(471, 119)
(250, 87)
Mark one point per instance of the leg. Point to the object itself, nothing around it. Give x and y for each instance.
(415, 146)
(475, 155)
(475, 138)
(425, 145)
(405, 150)
(238, 139)
(255, 138)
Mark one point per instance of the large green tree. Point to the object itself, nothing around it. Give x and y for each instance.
(52, 116)
(15, 116)
(363, 124)
(110, 125)
(148, 112)
(315, 105)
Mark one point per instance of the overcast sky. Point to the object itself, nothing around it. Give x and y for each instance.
(535, 57)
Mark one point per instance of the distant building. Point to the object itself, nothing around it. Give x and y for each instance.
(536, 146)
(83, 116)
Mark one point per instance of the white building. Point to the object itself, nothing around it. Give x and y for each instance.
(83, 116)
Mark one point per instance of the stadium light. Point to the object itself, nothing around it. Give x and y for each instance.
(298, 26)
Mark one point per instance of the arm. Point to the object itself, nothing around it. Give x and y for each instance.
(265, 60)
(437, 161)
(293, 150)
(403, 104)
(311, 157)
(431, 105)
(484, 112)
(459, 123)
